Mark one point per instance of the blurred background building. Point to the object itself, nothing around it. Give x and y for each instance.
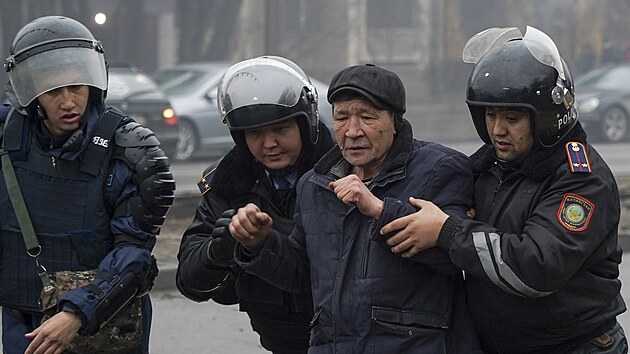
(421, 40)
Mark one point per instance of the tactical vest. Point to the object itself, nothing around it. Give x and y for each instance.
(65, 201)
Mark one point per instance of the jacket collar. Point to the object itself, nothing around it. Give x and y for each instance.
(397, 157)
(537, 166)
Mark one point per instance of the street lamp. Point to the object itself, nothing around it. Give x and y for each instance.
(100, 18)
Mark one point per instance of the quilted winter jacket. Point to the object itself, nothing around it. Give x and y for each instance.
(366, 298)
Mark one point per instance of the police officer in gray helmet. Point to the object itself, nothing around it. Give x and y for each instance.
(270, 108)
(95, 184)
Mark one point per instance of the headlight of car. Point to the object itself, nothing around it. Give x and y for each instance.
(169, 116)
(588, 105)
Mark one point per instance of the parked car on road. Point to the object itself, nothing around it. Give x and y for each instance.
(136, 95)
(192, 89)
(603, 102)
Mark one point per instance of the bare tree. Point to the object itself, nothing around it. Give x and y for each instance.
(206, 28)
(225, 21)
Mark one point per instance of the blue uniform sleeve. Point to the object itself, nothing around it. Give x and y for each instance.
(133, 254)
(119, 190)
(118, 262)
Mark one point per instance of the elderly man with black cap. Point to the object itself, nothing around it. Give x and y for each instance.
(368, 299)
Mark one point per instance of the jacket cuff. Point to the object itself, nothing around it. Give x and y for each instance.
(447, 233)
(249, 255)
(211, 262)
(71, 308)
(392, 209)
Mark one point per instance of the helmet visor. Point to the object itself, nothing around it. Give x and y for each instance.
(268, 83)
(52, 69)
(543, 49)
(481, 43)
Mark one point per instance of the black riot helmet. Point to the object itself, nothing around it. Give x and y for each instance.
(516, 71)
(267, 90)
(51, 52)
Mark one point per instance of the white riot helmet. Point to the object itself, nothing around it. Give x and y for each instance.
(267, 90)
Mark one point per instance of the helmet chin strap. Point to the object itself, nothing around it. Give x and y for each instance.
(509, 166)
(505, 165)
(41, 114)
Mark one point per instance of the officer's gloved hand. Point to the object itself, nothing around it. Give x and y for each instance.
(222, 243)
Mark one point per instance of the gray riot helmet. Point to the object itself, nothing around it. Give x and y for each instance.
(521, 71)
(267, 90)
(52, 52)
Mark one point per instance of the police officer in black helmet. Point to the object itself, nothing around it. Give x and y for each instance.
(541, 255)
(270, 107)
(96, 187)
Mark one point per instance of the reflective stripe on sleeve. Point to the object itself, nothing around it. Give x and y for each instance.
(505, 275)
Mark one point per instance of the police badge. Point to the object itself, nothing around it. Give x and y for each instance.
(575, 212)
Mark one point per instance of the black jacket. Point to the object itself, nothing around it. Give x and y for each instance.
(541, 258)
(236, 181)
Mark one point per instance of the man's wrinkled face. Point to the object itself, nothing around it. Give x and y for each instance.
(510, 132)
(276, 146)
(64, 107)
(365, 134)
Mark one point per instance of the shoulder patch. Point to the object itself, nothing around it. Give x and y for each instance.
(204, 182)
(578, 160)
(575, 212)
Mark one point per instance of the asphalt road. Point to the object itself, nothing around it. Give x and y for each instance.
(184, 327)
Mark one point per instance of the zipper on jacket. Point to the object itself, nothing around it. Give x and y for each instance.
(368, 241)
(499, 175)
(52, 158)
(496, 190)
(502, 180)
(366, 252)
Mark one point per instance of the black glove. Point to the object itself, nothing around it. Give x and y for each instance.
(222, 243)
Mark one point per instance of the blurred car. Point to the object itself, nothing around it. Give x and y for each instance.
(136, 95)
(603, 102)
(192, 89)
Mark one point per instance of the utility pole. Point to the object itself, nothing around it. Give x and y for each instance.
(272, 27)
(356, 31)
